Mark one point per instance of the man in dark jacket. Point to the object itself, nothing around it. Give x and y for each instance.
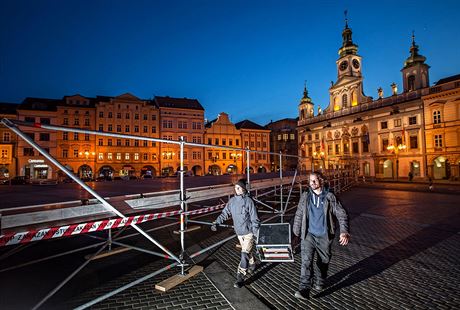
(314, 223)
(246, 224)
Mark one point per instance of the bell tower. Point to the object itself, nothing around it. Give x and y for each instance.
(347, 91)
(415, 71)
(306, 106)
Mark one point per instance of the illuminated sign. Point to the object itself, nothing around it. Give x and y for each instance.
(36, 161)
(40, 166)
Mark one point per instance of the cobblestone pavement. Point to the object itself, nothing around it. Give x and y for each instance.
(404, 254)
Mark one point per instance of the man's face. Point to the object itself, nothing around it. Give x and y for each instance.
(314, 182)
(239, 190)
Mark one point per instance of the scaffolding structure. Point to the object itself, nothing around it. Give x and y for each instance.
(338, 181)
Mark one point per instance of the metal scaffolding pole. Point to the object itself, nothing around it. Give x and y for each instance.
(248, 168)
(281, 186)
(183, 216)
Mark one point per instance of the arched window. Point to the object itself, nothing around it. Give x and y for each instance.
(344, 100)
(411, 82)
(436, 117)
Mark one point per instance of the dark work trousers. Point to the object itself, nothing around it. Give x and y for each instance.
(310, 245)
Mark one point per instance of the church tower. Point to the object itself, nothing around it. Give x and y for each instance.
(347, 91)
(415, 70)
(306, 106)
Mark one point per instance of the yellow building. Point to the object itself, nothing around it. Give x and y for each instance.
(181, 117)
(442, 128)
(256, 138)
(75, 151)
(221, 131)
(383, 137)
(113, 156)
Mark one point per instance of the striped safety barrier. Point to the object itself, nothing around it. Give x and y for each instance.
(88, 227)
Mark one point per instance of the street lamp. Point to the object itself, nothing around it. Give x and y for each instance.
(85, 173)
(319, 155)
(235, 156)
(396, 150)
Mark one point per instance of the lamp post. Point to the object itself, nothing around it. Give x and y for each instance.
(319, 155)
(85, 173)
(396, 150)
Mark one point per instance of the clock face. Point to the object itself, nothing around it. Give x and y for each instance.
(356, 63)
(343, 65)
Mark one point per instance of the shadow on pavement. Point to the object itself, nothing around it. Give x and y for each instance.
(377, 263)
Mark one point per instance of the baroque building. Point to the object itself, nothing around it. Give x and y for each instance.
(221, 131)
(383, 137)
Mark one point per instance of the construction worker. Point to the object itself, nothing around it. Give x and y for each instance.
(246, 224)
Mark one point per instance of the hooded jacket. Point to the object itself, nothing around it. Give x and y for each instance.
(331, 206)
(242, 210)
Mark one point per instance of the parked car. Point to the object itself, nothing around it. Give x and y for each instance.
(147, 176)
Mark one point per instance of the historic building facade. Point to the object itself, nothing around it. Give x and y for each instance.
(8, 143)
(256, 138)
(442, 128)
(92, 156)
(381, 137)
(181, 117)
(283, 139)
(221, 131)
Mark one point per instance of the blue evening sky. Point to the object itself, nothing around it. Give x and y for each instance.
(246, 58)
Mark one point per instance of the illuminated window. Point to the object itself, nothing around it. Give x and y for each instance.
(136, 156)
(437, 140)
(118, 156)
(126, 156)
(109, 156)
(100, 156)
(436, 117)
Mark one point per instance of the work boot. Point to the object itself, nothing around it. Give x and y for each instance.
(252, 268)
(318, 287)
(239, 280)
(302, 294)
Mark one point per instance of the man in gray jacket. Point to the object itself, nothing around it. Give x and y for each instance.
(246, 224)
(314, 223)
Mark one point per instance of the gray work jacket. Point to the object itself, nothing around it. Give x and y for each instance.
(244, 214)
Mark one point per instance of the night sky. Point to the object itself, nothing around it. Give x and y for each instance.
(247, 58)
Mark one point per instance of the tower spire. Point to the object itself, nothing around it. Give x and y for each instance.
(348, 47)
(414, 57)
(346, 18)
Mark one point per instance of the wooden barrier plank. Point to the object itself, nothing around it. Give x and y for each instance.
(177, 279)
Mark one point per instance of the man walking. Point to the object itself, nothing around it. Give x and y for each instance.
(245, 223)
(314, 223)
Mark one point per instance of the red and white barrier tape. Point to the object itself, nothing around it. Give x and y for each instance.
(75, 229)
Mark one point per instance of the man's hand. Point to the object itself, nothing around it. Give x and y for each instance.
(344, 238)
(214, 226)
